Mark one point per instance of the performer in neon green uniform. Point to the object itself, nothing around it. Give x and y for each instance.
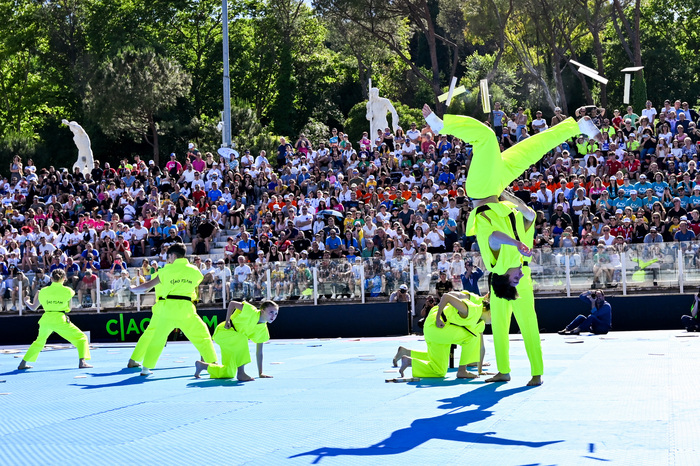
(180, 282)
(465, 315)
(145, 339)
(243, 322)
(56, 300)
(503, 227)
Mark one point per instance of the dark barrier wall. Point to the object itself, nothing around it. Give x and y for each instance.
(643, 312)
(350, 320)
(654, 312)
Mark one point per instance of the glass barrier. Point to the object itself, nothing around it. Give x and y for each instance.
(619, 268)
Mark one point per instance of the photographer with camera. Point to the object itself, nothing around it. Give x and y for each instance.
(600, 320)
(400, 296)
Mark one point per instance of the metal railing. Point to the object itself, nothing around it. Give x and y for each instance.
(555, 272)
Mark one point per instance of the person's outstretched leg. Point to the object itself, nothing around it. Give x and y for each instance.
(162, 328)
(574, 324)
(518, 158)
(500, 326)
(197, 332)
(77, 338)
(141, 346)
(524, 311)
(35, 348)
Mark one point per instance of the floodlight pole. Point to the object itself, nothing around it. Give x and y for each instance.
(227, 79)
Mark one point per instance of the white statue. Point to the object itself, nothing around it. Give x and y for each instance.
(377, 107)
(82, 141)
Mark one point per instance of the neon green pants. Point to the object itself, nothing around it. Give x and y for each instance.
(524, 310)
(434, 362)
(491, 170)
(52, 322)
(145, 338)
(182, 315)
(234, 354)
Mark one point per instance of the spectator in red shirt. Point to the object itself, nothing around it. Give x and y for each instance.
(612, 164)
(631, 164)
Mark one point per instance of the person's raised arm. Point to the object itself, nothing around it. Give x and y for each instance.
(144, 287)
(498, 238)
(432, 119)
(35, 305)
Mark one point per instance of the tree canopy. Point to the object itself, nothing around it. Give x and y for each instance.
(146, 76)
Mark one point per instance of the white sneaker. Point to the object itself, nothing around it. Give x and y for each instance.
(352, 296)
(145, 371)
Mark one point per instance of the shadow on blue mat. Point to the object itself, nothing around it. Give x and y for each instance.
(34, 371)
(215, 383)
(137, 380)
(130, 370)
(445, 427)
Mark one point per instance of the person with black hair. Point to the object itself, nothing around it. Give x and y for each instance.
(243, 322)
(503, 224)
(459, 318)
(180, 284)
(600, 320)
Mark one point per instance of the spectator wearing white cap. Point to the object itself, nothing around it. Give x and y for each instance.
(400, 296)
(683, 233)
(642, 186)
(676, 211)
(634, 201)
(558, 117)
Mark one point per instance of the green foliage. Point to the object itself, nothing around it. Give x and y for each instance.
(14, 143)
(503, 86)
(639, 91)
(316, 131)
(129, 90)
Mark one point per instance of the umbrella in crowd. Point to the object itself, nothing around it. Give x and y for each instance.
(330, 213)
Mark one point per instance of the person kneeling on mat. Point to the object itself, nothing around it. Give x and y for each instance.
(243, 322)
(459, 319)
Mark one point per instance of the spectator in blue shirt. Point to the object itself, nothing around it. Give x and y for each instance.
(600, 320)
(333, 244)
(470, 277)
(684, 233)
(446, 177)
(215, 193)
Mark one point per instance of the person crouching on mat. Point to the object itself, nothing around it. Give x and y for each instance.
(243, 322)
(56, 300)
(458, 319)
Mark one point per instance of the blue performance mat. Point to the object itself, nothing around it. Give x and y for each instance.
(625, 398)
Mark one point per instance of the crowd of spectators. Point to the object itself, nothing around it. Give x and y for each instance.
(346, 209)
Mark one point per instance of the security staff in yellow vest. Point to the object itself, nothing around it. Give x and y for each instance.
(180, 282)
(243, 322)
(56, 300)
(145, 339)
